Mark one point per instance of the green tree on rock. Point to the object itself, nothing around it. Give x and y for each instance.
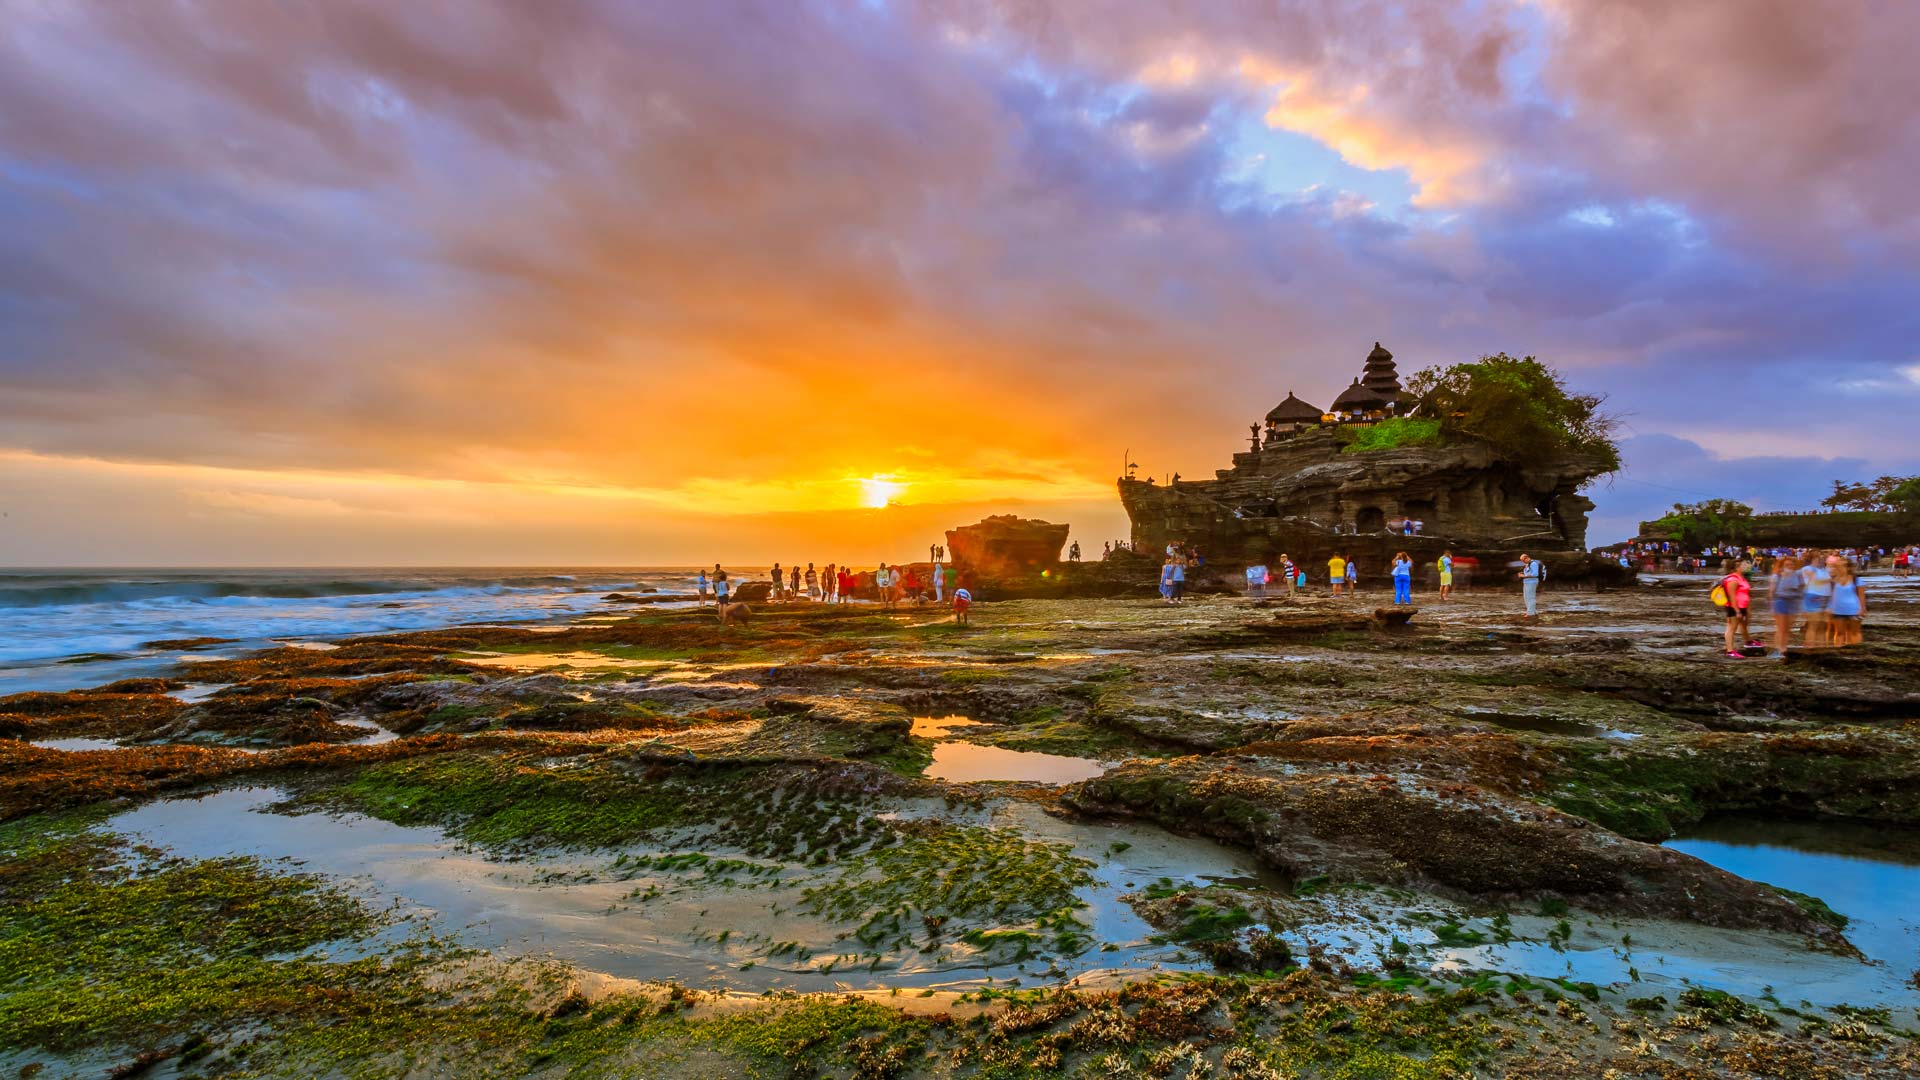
(1519, 407)
(1714, 521)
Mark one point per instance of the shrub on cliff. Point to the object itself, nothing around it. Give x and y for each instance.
(1392, 434)
(1519, 407)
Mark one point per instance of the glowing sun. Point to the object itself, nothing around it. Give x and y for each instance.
(878, 491)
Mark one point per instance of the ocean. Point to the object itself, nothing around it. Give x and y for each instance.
(62, 629)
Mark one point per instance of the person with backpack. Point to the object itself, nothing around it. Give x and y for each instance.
(1733, 593)
(1785, 588)
(1532, 573)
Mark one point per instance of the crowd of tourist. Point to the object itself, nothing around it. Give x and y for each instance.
(888, 585)
(1816, 594)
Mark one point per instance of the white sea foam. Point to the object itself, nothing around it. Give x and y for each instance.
(48, 618)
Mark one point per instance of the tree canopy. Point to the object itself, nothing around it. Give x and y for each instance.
(1883, 493)
(1713, 521)
(1519, 407)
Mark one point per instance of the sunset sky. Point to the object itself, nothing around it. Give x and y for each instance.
(586, 281)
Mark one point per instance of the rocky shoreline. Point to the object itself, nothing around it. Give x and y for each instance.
(1313, 842)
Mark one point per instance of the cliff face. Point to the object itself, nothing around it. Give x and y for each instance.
(1292, 495)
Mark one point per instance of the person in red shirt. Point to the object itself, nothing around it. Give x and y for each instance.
(1739, 595)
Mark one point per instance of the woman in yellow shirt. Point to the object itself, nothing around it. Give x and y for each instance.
(1336, 572)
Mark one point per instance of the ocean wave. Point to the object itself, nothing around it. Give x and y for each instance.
(47, 616)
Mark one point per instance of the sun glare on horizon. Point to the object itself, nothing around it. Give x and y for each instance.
(879, 491)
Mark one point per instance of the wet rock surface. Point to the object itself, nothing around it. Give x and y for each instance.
(1406, 813)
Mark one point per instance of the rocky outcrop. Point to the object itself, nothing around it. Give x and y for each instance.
(1304, 496)
(1446, 836)
(1005, 546)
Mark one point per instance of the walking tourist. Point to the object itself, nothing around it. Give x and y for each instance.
(1336, 573)
(1530, 574)
(1849, 605)
(1738, 593)
(1403, 578)
(1785, 588)
(1446, 574)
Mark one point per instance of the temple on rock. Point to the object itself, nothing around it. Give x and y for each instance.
(1375, 395)
(1301, 489)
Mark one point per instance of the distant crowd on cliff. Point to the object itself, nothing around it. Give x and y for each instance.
(1668, 557)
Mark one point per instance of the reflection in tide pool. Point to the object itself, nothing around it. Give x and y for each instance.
(1869, 873)
(76, 744)
(961, 763)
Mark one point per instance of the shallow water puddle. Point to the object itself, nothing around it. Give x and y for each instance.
(197, 691)
(1869, 873)
(961, 763)
(602, 911)
(76, 744)
(935, 727)
(375, 734)
(1545, 725)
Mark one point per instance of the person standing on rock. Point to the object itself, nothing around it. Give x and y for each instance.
(1739, 593)
(1336, 573)
(1816, 598)
(719, 586)
(1403, 578)
(939, 583)
(775, 594)
(1849, 605)
(1785, 587)
(1446, 574)
(883, 585)
(813, 583)
(1530, 584)
(1353, 576)
(701, 584)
